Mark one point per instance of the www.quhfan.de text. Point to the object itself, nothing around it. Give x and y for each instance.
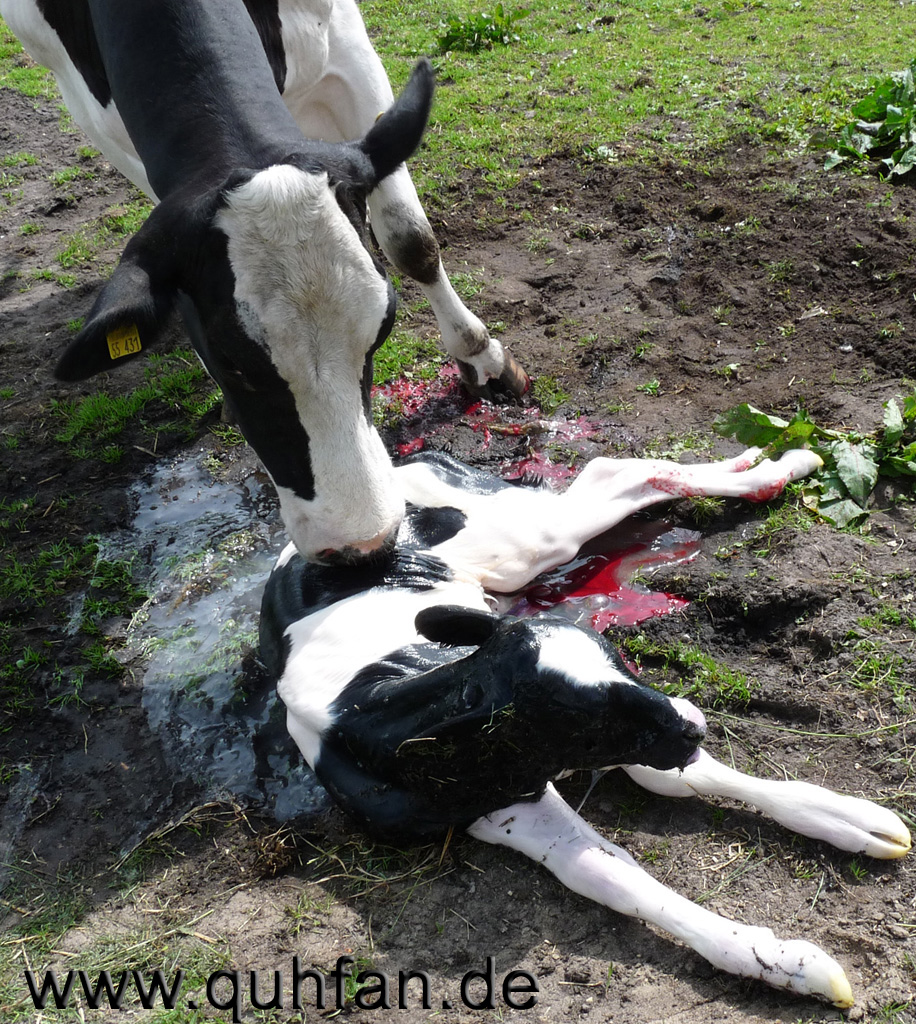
(264, 990)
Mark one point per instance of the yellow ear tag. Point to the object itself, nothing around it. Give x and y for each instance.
(123, 341)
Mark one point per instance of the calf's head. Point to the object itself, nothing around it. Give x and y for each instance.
(285, 305)
(488, 718)
(571, 695)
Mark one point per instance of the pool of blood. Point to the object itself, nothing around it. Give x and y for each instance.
(596, 590)
(424, 407)
(431, 408)
(593, 590)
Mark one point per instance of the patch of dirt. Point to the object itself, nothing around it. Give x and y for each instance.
(650, 299)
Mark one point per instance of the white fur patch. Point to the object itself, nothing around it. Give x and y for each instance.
(285, 555)
(572, 653)
(103, 125)
(305, 28)
(330, 647)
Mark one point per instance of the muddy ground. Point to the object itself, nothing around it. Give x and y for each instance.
(649, 300)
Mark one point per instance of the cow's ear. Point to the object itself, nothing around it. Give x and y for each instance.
(240, 176)
(396, 135)
(128, 315)
(456, 626)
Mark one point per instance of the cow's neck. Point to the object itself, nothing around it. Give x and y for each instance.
(214, 107)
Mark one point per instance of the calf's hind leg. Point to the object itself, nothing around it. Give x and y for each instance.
(549, 831)
(513, 536)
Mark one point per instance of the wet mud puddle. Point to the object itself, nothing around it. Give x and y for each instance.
(209, 545)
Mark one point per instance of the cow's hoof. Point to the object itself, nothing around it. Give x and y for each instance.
(510, 386)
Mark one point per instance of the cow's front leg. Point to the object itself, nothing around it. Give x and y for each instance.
(846, 822)
(352, 92)
(551, 833)
(401, 227)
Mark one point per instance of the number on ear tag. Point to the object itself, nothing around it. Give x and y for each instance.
(123, 341)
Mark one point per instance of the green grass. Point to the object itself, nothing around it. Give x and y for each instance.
(41, 587)
(781, 519)
(672, 446)
(405, 350)
(634, 80)
(548, 394)
(38, 580)
(875, 663)
(9, 187)
(482, 30)
(44, 274)
(19, 159)
(45, 575)
(67, 174)
(89, 240)
(18, 72)
(637, 79)
(701, 677)
(88, 426)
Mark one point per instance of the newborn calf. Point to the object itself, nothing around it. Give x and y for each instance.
(421, 710)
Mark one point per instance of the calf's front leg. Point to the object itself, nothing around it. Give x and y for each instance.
(846, 822)
(549, 831)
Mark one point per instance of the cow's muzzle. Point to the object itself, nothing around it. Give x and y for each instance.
(366, 552)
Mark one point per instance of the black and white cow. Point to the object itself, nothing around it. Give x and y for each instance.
(421, 709)
(259, 237)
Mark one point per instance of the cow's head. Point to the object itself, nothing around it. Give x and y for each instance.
(285, 305)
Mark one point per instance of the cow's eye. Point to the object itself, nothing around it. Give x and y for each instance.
(231, 371)
(243, 380)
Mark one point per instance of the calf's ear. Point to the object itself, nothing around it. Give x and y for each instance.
(129, 312)
(396, 135)
(456, 626)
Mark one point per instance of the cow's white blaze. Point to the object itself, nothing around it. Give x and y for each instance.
(309, 292)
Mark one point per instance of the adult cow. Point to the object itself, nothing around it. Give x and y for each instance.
(260, 234)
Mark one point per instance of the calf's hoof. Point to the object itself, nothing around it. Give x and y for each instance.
(510, 386)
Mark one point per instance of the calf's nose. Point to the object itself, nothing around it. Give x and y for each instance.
(694, 719)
